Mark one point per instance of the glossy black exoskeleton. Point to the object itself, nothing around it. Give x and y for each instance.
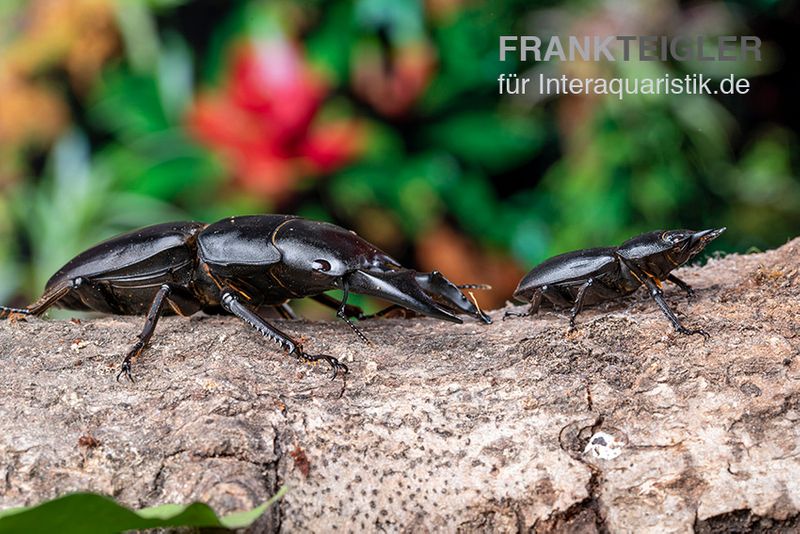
(586, 277)
(236, 266)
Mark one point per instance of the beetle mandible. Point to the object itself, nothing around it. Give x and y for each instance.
(589, 276)
(237, 265)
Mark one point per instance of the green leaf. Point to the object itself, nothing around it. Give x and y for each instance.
(171, 178)
(129, 105)
(489, 139)
(89, 513)
(330, 45)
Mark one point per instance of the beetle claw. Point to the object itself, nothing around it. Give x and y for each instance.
(693, 331)
(335, 364)
(126, 370)
(508, 314)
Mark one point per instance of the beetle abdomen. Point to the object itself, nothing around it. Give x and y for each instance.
(122, 274)
(567, 269)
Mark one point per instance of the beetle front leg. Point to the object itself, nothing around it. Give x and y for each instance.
(156, 308)
(658, 296)
(231, 304)
(681, 284)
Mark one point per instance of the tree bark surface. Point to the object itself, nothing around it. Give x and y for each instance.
(622, 425)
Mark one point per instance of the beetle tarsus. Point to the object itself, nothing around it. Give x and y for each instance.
(658, 296)
(126, 370)
(533, 309)
(14, 314)
(156, 307)
(7, 312)
(231, 303)
(336, 365)
(692, 331)
(515, 314)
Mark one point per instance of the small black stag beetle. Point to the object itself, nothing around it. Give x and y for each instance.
(237, 265)
(586, 277)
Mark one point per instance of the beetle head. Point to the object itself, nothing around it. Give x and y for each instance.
(660, 252)
(317, 257)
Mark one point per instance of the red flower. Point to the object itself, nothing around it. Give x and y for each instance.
(265, 122)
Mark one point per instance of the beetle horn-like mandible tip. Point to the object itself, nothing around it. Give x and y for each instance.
(438, 286)
(706, 236)
(399, 287)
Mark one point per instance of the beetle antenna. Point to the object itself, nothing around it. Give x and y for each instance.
(474, 286)
(341, 313)
(475, 301)
(358, 332)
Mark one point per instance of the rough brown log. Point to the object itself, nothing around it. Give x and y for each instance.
(439, 426)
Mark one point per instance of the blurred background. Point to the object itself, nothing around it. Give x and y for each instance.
(382, 116)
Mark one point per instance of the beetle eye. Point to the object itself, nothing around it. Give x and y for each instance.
(321, 265)
(670, 237)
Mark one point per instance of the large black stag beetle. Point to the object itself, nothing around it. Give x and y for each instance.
(589, 276)
(236, 266)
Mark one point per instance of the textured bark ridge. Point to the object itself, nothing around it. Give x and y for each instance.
(620, 426)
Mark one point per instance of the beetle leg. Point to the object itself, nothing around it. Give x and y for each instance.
(286, 311)
(48, 299)
(576, 308)
(658, 296)
(356, 312)
(342, 314)
(8, 311)
(681, 284)
(150, 323)
(394, 310)
(533, 309)
(231, 304)
(349, 309)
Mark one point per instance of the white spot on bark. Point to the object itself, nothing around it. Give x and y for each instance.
(603, 446)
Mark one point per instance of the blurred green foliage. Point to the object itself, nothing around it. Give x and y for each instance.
(380, 115)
